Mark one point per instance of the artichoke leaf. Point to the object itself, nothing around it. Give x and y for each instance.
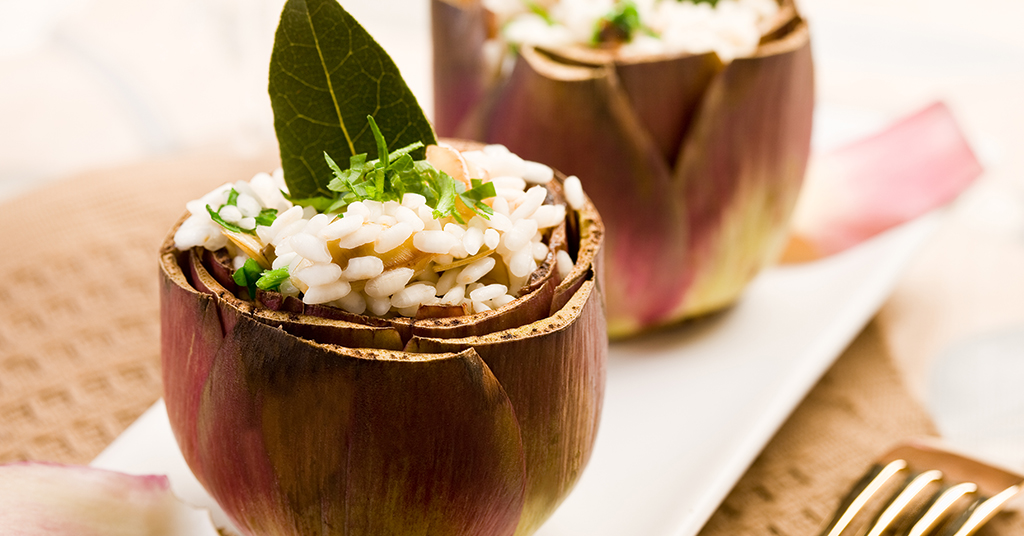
(740, 169)
(554, 376)
(591, 131)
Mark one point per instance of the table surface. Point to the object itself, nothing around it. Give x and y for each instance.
(87, 84)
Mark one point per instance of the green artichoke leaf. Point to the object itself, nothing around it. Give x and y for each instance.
(326, 75)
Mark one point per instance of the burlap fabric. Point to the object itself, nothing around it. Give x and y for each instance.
(79, 348)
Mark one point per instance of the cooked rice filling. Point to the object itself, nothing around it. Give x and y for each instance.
(390, 258)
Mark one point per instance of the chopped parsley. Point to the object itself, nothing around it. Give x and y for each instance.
(619, 25)
(395, 174)
(215, 216)
(541, 12)
(272, 279)
(252, 276)
(265, 217)
(248, 275)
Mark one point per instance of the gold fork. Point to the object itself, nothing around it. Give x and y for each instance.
(920, 489)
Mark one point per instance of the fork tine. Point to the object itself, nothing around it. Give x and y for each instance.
(869, 485)
(911, 489)
(940, 507)
(980, 512)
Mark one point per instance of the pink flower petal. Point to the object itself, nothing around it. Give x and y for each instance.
(918, 164)
(57, 500)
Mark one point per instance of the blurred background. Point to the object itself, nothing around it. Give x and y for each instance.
(93, 84)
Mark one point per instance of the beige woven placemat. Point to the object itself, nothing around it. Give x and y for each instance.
(79, 347)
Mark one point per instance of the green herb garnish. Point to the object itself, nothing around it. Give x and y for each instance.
(326, 75)
(247, 276)
(713, 3)
(215, 216)
(266, 216)
(272, 279)
(541, 12)
(619, 25)
(395, 174)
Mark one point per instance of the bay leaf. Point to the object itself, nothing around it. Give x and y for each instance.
(326, 75)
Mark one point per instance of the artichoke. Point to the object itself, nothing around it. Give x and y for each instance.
(694, 162)
(310, 420)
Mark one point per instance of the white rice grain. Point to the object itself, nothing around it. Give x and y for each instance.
(413, 201)
(521, 262)
(353, 302)
(378, 306)
(283, 260)
(491, 238)
(248, 205)
(342, 227)
(479, 307)
(363, 235)
(416, 294)
(230, 213)
(500, 301)
(475, 270)
(289, 231)
(538, 173)
(511, 183)
(409, 217)
(319, 274)
(447, 281)
(540, 251)
(392, 237)
(286, 218)
(316, 224)
(549, 215)
(473, 240)
(574, 192)
(358, 208)
(360, 268)
(434, 242)
(311, 247)
(500, 222)
(388, 282)
(564, 263)
(326, 293)
(488, 292)
(520, 235)
(534, 199)
(455, 295)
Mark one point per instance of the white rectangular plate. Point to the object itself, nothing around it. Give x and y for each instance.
(686, 411)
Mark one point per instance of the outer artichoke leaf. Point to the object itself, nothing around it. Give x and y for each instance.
(746, 151)
(664, 89)
(554, 373)
(919, 163)
(461, 75)
(578, 119)
(44, 499)
(665, 93)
